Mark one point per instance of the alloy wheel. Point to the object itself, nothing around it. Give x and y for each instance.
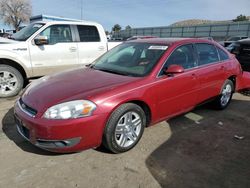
(8, 82)
(226, 95)
(128, 129)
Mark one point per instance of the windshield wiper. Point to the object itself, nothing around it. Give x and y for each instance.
(112, 71)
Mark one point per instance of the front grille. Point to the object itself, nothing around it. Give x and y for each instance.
(27, 109)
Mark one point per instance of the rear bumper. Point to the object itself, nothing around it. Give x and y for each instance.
(60, 135)
(243, 81)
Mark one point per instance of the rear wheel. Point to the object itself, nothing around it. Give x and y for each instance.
(124, 128)
(11, 81)
(223, 100)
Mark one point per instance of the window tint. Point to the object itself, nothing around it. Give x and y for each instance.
(88, 33)
(223, 55)
(183, 56)
(207, 53)
(57, 34)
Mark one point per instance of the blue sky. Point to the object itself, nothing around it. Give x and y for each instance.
(142, 13)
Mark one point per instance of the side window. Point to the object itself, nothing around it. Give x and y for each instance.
(57, 34)
(223, 55)
(207, 53)
(183, 56)
(88, 33)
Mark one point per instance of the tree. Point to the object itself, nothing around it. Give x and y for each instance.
(15, 12)
(106, 32)
(128, 27)
(241, 18)
(116, 28)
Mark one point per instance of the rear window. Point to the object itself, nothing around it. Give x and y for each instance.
(88, 33)
(207, 53)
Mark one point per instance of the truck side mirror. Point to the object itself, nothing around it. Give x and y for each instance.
(41, 40)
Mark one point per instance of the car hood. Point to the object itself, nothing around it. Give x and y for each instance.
(7, 41)
(77, 84)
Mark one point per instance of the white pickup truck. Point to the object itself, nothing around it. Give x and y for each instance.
(42, 48)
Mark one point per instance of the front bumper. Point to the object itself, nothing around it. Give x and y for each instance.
(60, 135)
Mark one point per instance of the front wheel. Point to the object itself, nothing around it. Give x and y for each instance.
(124, 128)
(223, 100)
(11, 81)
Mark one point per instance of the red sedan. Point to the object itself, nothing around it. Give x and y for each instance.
(135, 85)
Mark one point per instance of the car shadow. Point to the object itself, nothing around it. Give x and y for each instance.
(213, 151)
(10, 130)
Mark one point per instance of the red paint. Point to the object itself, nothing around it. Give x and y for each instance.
(166, 96)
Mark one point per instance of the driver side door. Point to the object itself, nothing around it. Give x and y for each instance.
(59, 54)
(177, 93)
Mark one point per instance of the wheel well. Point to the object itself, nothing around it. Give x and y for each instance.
(233, 79)
(145, 108)
(15, 65)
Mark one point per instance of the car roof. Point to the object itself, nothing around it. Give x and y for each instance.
(170, 41)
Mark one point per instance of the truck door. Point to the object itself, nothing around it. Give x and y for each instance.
(91, 45)
(59, 54)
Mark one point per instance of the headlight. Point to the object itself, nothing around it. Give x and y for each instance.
(70, 110)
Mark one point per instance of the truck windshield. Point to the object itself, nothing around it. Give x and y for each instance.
(26, 32)
(131, 59)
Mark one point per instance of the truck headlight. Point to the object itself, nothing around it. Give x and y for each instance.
(70, 110)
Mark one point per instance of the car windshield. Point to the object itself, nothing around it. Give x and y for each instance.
(27, 31)
(131, 59)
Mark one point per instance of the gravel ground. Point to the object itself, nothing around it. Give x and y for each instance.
(204, 148)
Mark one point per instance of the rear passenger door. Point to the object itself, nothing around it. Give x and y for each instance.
(90, 44)
(211, 70)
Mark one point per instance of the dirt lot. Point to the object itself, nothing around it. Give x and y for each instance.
(194, 150)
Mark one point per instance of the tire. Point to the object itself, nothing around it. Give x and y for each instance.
(124, 128)
(11, 81)
(223, 100)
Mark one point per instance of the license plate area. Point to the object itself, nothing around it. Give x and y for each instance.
(21, 128)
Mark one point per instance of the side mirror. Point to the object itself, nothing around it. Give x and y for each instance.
(174, 69)
(41, 40)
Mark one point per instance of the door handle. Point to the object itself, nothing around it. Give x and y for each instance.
(72, 49)
(194, 76)
(222, 67)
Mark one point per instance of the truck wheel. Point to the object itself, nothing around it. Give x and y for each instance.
(11, 81)
(223, 100)
(124, 128)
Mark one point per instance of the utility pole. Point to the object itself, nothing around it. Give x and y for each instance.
(81, 9)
